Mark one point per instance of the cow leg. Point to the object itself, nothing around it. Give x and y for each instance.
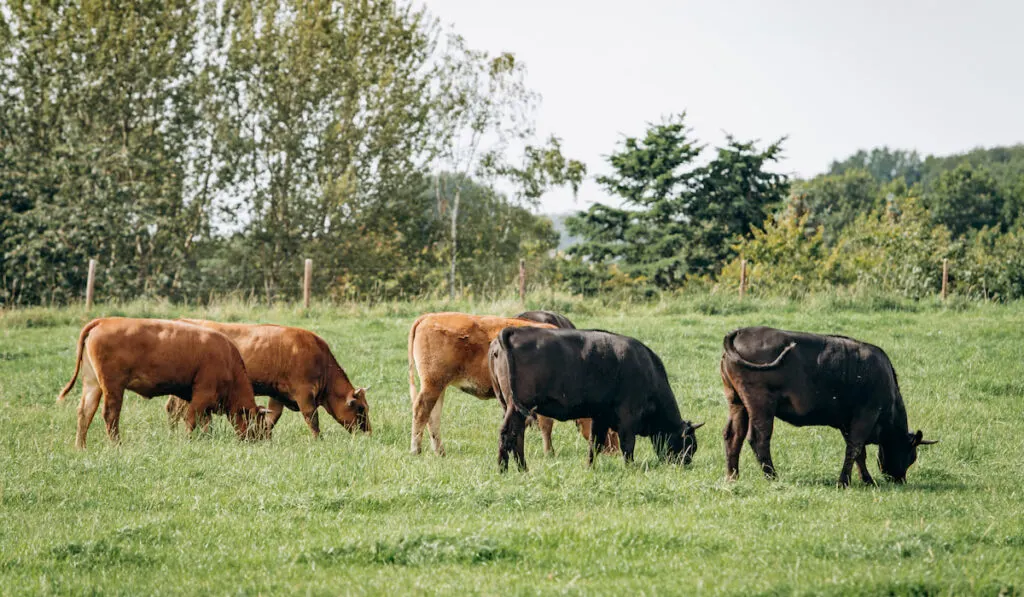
(205, 418)
(307, 406)
(203, 401)
(513, 429)
(175, 408)
(546, 424)
(598, 439)
(862, 467)
(435, 426)
(422, 409)
(734, 433)
(112, 399)
(276, 408)
(855, 440)
(612, 444)
(86, 411)
(760, 437)
(313, 421)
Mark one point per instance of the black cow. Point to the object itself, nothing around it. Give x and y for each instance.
(809, 379)
(549, 317)
(584, 425)
(571, 374)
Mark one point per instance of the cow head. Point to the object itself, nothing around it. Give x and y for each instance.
(683, 445)
(897, 454)
(351, 409)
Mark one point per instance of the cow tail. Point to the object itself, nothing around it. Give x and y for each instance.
(78, 358)
(412, 361)
(730, 352)
(504, 337)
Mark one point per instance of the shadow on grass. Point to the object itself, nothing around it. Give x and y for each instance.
(934, 481)
(416, 550)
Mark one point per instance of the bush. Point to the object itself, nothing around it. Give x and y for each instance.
(894, 250)
(782, 258)
(992, 266)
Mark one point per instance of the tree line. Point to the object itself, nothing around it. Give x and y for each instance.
(198, 147)
(879, 221)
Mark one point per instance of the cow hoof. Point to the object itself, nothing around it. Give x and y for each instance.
(841, 484)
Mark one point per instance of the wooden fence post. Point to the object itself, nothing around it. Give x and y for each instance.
(743, 277)
(522, 281)
(307, 281)
(945, 278)
(90, 285)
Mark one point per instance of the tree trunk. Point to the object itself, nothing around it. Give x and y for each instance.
(455, 241)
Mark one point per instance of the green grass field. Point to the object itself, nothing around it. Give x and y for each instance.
(166, 514)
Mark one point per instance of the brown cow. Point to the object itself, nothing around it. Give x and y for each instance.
(156, 357)
(451, 349)
(611, 441)
(297, 370)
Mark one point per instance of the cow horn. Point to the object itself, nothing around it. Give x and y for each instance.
(698, 425)
(366, 388)
(927, 442)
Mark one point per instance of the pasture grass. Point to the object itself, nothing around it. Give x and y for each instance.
(163, 513)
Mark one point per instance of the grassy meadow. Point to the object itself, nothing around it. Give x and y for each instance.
(163, 513)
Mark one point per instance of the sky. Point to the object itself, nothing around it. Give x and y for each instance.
(940, 77)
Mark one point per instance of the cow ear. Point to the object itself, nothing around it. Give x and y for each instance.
(917, 439)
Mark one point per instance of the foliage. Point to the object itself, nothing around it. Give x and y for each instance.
(967, 198)
(889, 236)
(883, 164)
(100, 112)
(992, 265)
(677, 219)
(783, 258)
(649, 234)
(1004, 163)
(198, 147)
(734, 195)
(496, 233)
(833, 201)
(892, 250)
(328, 121)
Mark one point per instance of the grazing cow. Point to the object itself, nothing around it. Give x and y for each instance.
(549, 317)
(570, 374)
(296, 368)
(584, 425)
(808, 379)
(156, 357)
(451, 349)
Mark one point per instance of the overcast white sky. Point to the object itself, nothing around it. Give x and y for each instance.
(940, 77)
